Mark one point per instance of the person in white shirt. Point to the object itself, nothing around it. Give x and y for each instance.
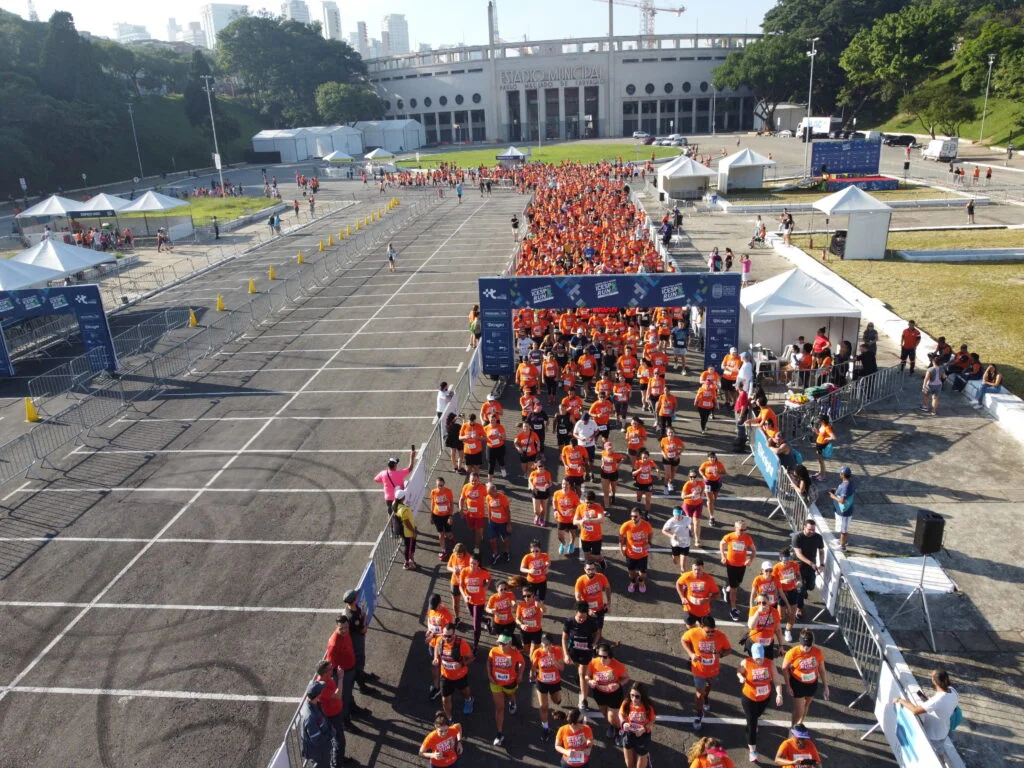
(445, 395)
(745, 379)
(680, 537)
(585, 432)
(936, 711)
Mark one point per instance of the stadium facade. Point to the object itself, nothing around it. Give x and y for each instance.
(565, 89)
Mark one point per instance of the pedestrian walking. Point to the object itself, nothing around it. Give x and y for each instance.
(708, 752)
(316, 728)
(798, 749)
(443, 745)
(937, 711)
(458, 192)
(393, 478)
(803, 667)
(931, 386)
(454, 657)
(574, 741)
(809, 548)
(392, 255)
(842, 498)
(636, 718)
(505, 668)
(988, 176)
(216, 229)
(404, 524)
(757, 675)
(737, 551)
(706, 647)
(341, 653)
(970, 211)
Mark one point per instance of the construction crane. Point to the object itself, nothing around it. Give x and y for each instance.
(648, 10)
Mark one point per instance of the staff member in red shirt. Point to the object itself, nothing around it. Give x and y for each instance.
(909, 340)
(332, 707)
(342, 655)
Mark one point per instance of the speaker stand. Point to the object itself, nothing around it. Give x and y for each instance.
(919, 590)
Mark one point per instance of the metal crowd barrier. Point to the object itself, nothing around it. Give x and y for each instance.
(37, 333)
(110, 393)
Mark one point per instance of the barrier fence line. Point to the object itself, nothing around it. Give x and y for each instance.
(112, 392)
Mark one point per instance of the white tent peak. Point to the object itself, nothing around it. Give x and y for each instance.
(684, 167)
(105, 202)
(152, 202)
(850, 200)
(15, 275)
(794, 294)
(54, 205)
(378, 154)
(337, 156)
(61, 257)
(510, 153)
(745, 158)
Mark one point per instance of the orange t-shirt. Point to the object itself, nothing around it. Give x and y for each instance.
(699, 591)
(610, 461)
(765, 625)
(666, 405)
(540, 480)
(636, 718)
(636, 437)
(606, 673)
(588, 519)
(757, 682)
(503, 665)
(672, 447)
(787, 574)
(576, 739)
(712, 470)
(804, 665)
(459, 563)
(444, 745)
(910, 338)
(825, 434)
(644, 470)
(788, 750)
(601, 411)
(495, 434)
(441, 500)
(706, 397)
(621, 392)
(472, 437)
(708, 649)
(502, 607)
(592, 590)
(693, 493)
(451, 668)
(565, 503)
(490, 408)
(544, 663)
(529, 615)
(574, 459)
(739, 548)
(497, 508)
(627, 366)
(536, 566)
(437, 621)
(473, 584)
(637, 537)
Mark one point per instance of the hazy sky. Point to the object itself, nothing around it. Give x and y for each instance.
(462, 20)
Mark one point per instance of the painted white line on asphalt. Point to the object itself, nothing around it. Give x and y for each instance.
(355, 306)
(302, 351)
(167, 540)
(215, 371)
(459, 369)
(258, 392)
(302, 334)
(274, 418)
(82, 451)
(149, 694)
(681, 621)
(17, 490)
(361, 319)
(816, 725)
(204, 489)
(167, 607)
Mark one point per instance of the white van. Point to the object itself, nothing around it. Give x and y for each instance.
(872, 136)
(941, 150)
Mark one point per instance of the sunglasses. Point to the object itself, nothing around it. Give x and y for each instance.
(634, 695)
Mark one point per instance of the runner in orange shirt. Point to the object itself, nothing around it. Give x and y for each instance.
(764, 624)
(491, 407)
(636, 438)
(535, 566)
(606, 677)
(595, 590)
(636, 716)
(712, 471)
(803, 667)
(786, 572)
(574, 405)
(655, 389)
(574, 740)
(627, 365)
(694, 493)
(546, 666)
(452, 655)
(527, 443)
(588, 518)
(540, 484)
(609, 461)
(472, 436)
(696, 589)
(505, 667)
(574, 460)
(798, 750)
(529, 617)
(622, 391)
(757, 675)
(706, 647)
(494, 435)
(644, 472)
(473, 507)
(737, 551)
(731, 365)
(473, 582)
(527, 376)
(665, 409)
(825, 437)
(766, 584)
(704, 402)
(443, 745)
(499, 522)
(438, 617)
(442, 508)
(635, 545)
(708, 752)
(501, 608)
(601, 411)
(458, 560)
(566, 499)
(672, 448)
(549, 370)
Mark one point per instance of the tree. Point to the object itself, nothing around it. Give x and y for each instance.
(939, 107)
(60, 57)
(773, 68)
(346, 103)
(197, 109)
(1002, 36)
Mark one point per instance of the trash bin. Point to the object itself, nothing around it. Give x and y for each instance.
(838, 244)
(661, 197)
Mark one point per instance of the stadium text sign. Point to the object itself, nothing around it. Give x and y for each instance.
(551, 77)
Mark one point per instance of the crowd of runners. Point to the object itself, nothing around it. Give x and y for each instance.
(588, 379)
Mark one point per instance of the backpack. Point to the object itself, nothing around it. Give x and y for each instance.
(956, 718)
(829, 450)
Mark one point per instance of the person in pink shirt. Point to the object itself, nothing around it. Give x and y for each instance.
(393, 478)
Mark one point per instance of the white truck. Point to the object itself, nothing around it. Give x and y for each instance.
(941, 150)
(821, 126)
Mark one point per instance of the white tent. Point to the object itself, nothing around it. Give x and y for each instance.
(61, 257)
(378, 154)
(152, 202)
(14, 275)
(742, 170)
(297, 144)
(867, 231)
(393, 135)
(104, 202)
(684, 178)
(337, 156)
(775, 312)
(511, 158)
(55, 205)
(161, 205)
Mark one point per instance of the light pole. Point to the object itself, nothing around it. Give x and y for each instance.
(138, 155)
(984, 109)
(714, 104)
(807, 126)
(209, 100)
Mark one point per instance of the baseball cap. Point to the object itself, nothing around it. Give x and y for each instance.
(677, 511)
(400, 493)
(765, 566)
(757, 652)
(349, 596)
(800, 732)
(392, 460)
(504, 638)
(846, 471)
(491, 397)
(314, 689)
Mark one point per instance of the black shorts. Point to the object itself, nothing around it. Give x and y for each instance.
(907, 354)
(677, 551)
(542, 495)
(448, 687)
(714, 486)
(791, 597)
(637, 564)
(599, 617)
(442, 523)
(801, 689)
(540, 590)
(611, 700)
(456, 444)
(818, 448)
(532, 638)
(456, 592)
(581, 658)
(549, 688)
(503, 629)
(644, 487)
(728, 385)
(669, 462)
(526, 458)
(563, 440)
(566, 527)
(734, 575)
(591, 547)
(613, 476)
(638, 742)
(474, 459)
(692, 620)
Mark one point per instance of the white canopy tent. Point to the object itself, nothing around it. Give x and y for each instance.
(48, 212)
(61, 257)
(511, 158)
(775, 312)
(379, 154)
(14, 275)
(742, 170)
(104, 202)
(161, 207)
(867, 229)
(684, 178)
(337, 156)
(393, 135)
(54, 205)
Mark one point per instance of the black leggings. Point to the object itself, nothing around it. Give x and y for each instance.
(495, 459)
(410, 546)
(479, 615)
(704, 414)
(753, 710)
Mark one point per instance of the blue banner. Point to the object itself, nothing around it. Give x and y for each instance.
(765, 460)
(855, 156)
(81, 300)
(718, 294)
(367, 590)
(6, 367)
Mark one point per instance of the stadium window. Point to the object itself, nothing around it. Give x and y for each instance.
(427, 102)
(704, 87)
(668, 87)
(630, 89)
(649, 88)
(444, 99)
(412, 103)
(458, 98)
(476, 98)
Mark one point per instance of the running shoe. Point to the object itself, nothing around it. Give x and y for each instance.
(707, 707)
(643, 587)
(499, 739)
(505, 557)
(467, 708)
(734, 614)
(583, 703)
(582, 558)
(787, 636)
(631, 588)
(442, 555)
(436, 694)
(494, 559)
(561, 547)
(712, 522)
(698, 722)
(603, 565)
(752, 755)
(504, 473)
(512, 707)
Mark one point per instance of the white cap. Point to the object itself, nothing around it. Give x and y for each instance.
(491, 397)
(400, 493)
(766, 565)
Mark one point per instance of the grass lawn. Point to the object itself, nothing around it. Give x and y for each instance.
(579, 152)
(205, 208)
(973, 304)
(945, 239)
(756, 196)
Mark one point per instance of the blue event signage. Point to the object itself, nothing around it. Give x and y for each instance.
(856, 156)
(718, 294)
(83, 301)
(367, 590)
(765, 460)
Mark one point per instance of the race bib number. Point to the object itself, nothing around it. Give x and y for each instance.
(548, 677)
(739, 546)
(577, 757)
(765, 640)
(707, 661)
(762, 690)
(697, 600)
(537, 570)
(581, 645)
(594, 605)
(451, 666)
(472, 588)
(502, 677)
(637, 549)
(808, 677)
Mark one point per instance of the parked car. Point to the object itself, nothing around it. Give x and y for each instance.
(649, 140)
(680, 142)
(641, 135)
(902, 140)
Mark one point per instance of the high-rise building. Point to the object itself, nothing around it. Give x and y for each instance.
(129, 33)
(376, 50)
(363, 45)
(330, 20)
(173, 30)
(385, 43)
(193, 35)
(397, 29)
(216, 16)
(296, 10)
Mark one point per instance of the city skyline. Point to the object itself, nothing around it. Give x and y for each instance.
(536, 19)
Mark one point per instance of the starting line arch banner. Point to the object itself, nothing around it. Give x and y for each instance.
(717, 293)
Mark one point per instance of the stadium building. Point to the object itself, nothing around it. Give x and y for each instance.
(565, 89)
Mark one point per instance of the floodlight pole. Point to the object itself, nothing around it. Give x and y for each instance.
(984, 109)
(138, 155)
(209, 100)
(807, 127)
